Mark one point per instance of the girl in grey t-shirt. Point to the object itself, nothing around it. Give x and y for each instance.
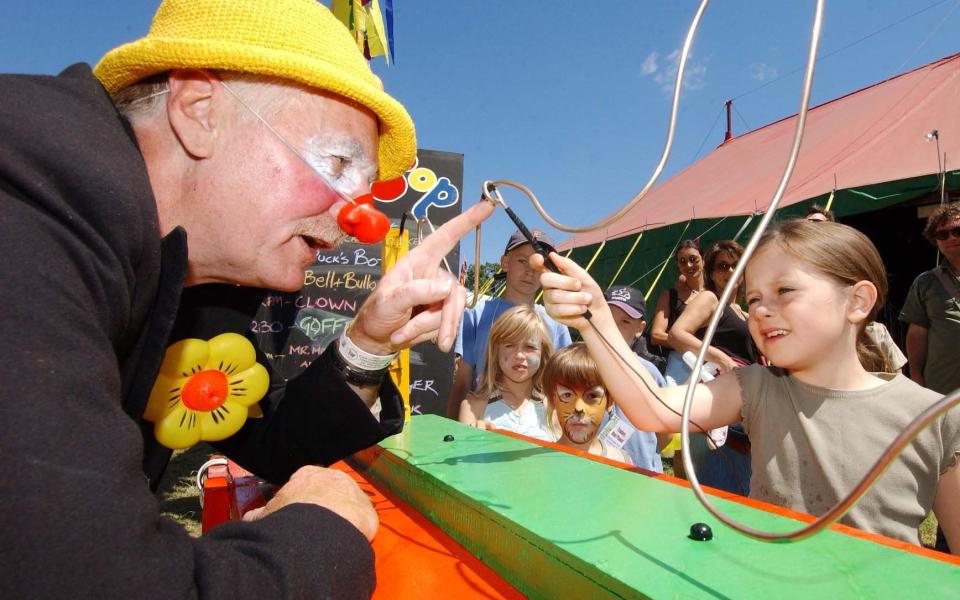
(818, 419)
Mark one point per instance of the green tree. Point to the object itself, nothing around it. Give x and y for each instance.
(487, 270)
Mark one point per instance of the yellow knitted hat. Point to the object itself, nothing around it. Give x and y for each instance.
(297, 40)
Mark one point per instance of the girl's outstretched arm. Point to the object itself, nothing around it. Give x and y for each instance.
(946, 506)
(571, 292)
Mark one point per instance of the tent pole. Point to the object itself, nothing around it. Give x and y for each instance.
(625, 259)
(595, 255)
(667, 260)
(744, 226)
(729, 134)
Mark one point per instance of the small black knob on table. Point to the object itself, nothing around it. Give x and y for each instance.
(701, 532)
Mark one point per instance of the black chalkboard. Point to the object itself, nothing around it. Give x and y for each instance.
(293, 328)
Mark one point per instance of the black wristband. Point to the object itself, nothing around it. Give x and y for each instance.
(353, 375)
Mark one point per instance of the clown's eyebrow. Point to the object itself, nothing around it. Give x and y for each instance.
(354, 154)
(341, 146)
(338, 145)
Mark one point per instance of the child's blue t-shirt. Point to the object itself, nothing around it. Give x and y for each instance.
(475, 331)
(641, 446)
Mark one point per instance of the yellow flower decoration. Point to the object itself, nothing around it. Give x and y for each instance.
(206, 390)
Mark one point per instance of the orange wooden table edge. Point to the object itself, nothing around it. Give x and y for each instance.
(416, 559)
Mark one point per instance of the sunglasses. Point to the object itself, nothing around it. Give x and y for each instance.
(943, 234)
(690, 260)
(725, 266)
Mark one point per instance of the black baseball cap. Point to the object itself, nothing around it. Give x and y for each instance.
(518, 239)
(627, 298)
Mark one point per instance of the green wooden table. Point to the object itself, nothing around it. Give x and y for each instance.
(559, 526)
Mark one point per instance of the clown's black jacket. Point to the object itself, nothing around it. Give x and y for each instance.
(89, 297)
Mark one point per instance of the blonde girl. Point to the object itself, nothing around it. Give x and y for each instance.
(819, 419)
(509, 395)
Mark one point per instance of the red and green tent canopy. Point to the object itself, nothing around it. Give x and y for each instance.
(870, 149)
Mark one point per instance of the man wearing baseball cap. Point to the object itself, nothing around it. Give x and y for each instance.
(218, 149)
(521, 287)
(629, 311)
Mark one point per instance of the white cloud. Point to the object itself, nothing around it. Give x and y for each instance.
(649, 65)
(763, 71)
(693, 79)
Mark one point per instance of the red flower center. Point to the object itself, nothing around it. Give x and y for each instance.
(205, 391)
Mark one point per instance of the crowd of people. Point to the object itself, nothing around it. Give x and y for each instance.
(797, 356)
(528, 374)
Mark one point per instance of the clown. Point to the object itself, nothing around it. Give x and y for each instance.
(146, 206)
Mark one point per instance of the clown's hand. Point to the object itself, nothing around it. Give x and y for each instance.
(416, 300)
(329, 488)
(567, 295)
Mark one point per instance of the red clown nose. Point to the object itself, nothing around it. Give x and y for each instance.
(363, 221)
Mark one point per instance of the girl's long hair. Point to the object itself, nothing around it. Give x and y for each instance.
(847, 256)
(516, 325)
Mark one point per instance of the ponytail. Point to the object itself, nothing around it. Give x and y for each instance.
(871, 356)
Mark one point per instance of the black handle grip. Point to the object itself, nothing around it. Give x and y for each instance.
(538, 247)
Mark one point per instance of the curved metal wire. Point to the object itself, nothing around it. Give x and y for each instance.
(476, 256)
(883, 461)
(904, 438)
(687, 43)
(491, 194)
(476, 272)
(426, 219)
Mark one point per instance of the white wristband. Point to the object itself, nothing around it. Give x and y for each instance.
(361, 359)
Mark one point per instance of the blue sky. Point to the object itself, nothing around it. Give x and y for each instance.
(569, 97)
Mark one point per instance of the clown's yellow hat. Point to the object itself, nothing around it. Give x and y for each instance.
(296, 40)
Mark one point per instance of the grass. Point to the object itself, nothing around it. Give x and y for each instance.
(928, 531)
(178, 494)
(667, 465)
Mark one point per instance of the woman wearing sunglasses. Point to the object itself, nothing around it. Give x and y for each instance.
(673, 301)
(726, 467)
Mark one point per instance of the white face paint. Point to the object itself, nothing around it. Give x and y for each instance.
(341, 162)
(519, 361)
(534, 361)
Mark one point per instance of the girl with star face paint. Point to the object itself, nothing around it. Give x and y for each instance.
(577, 400)
(509, 395)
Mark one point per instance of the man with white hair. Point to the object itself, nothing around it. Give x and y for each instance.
(225, 147)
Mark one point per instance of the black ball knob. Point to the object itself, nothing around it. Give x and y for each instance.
(448, 438)
(701, 532)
